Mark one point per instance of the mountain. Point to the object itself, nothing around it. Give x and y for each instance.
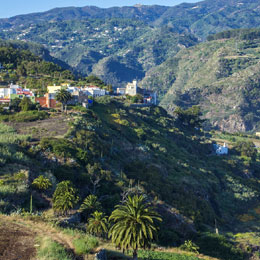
(209, 17)
(137, 12)
(141, 35)
(222, 76)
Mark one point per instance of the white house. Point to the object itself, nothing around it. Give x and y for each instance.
(94, 91)
(120, 91)
(221, 150)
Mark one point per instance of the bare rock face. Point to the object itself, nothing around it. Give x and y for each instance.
(232, 124)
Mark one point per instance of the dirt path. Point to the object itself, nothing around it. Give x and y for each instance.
(16, 242)
(17, 238)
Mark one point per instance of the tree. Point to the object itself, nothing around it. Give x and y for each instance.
(64, 97)
(134, 224)
(26, 104)
(90, 205)
(246, 148)
(97, 224)
(41, 183)
(190, 117)
(64, 197)
(15, 104)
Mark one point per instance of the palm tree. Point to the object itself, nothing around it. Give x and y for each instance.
(41, 183)
(97, 224)
(134, 225)
(90, 205)
(64, 97)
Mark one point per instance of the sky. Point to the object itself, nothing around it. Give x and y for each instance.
(15, 7)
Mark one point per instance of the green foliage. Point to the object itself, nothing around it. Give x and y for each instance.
(64, 97)
(64, 197)
(97, 224)
(26, 104)
(218, 246)
(190, 117)
(41, 183)
(52, 250)
(85, 245)
(90, 205)
(190, 246)
(133, 224)
(153, 255)
(60, 147)
(25, 116)
(246, 148)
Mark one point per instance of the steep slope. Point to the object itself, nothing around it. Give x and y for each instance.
(22, 66)
(82, 44)
(221, 76)
(208, 17)
(113, 150)
(36, 49)
(142, 35)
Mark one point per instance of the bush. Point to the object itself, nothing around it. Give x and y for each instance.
(51, 250)
(190, 246)
(218, 246)
(25, 116)
(60, 147)
(85, 245)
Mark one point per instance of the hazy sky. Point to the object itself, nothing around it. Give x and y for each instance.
(14, 7)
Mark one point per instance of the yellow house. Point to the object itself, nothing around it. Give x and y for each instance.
(257, 134)
(54, 89)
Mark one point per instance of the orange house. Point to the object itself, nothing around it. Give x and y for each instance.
(47, 101)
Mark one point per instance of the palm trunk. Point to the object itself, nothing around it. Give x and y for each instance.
(135, 254)
(62, 107)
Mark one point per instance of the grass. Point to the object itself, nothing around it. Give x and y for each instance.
(24, 116)
(51, 250)
(9, 136)
(158, 255)
(85, 245)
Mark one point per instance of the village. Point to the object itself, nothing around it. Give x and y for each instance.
(81, 95)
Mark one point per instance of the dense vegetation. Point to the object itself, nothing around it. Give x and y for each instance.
(114, 150)
(220, 75)
(21, 66)
(117, 50)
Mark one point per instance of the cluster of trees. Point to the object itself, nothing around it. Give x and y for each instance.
(241, 34)
(133, 224)
(190, 117)
(246, 148)
(24, 104)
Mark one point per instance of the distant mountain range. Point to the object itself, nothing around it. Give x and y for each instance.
(120, 44)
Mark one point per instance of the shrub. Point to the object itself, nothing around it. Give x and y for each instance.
(25, 116)
(190, 246)
(218, 246)
(64, 197)
(85, 245)
(60, 147)
(51, 250)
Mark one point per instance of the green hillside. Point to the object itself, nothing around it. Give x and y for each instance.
(21, 66)
(114, 149)
(89, 46)
(220, 75)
